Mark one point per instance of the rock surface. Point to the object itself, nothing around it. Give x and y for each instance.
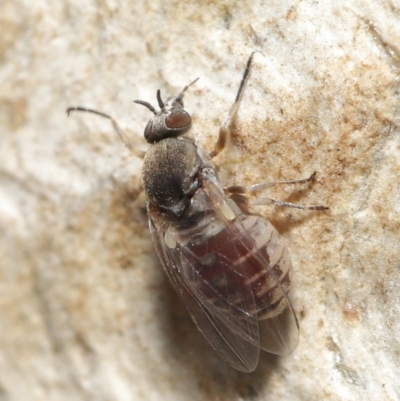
(85, 310)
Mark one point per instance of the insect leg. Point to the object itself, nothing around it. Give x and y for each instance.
(237, 194)
(118, 129)
(226, 128)
(243, 202)
(266, 185)
(269, 201)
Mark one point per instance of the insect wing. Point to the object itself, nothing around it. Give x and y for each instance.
(235, 350)
(218, 293)
(279, 332)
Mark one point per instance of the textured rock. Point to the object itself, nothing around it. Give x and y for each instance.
(85, 309)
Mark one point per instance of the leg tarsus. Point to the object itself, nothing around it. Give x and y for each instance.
(237, 192)
(225, 130)
(266, 185)
(118, 129)
(238, 189)
(269, 201)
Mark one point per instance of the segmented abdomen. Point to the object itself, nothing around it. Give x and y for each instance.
(245, 253)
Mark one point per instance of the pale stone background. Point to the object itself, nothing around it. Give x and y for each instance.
(85, 310)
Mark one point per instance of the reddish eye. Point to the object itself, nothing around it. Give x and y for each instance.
(178, 119)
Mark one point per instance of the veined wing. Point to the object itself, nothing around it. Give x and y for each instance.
(231, 280)
(266, 265)
(235, 350)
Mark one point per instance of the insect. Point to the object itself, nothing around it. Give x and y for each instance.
(229, 265)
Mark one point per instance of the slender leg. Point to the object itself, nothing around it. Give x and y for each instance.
(226, 128)
(237, 192)
(269, 201)
(118, 129)
(266, 185)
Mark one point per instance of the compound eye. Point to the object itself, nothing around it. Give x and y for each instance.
(178, 119)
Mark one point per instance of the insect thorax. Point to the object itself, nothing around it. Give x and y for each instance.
(170, 173)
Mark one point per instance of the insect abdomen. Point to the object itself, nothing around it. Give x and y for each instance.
(247, 254)
(267, 265)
